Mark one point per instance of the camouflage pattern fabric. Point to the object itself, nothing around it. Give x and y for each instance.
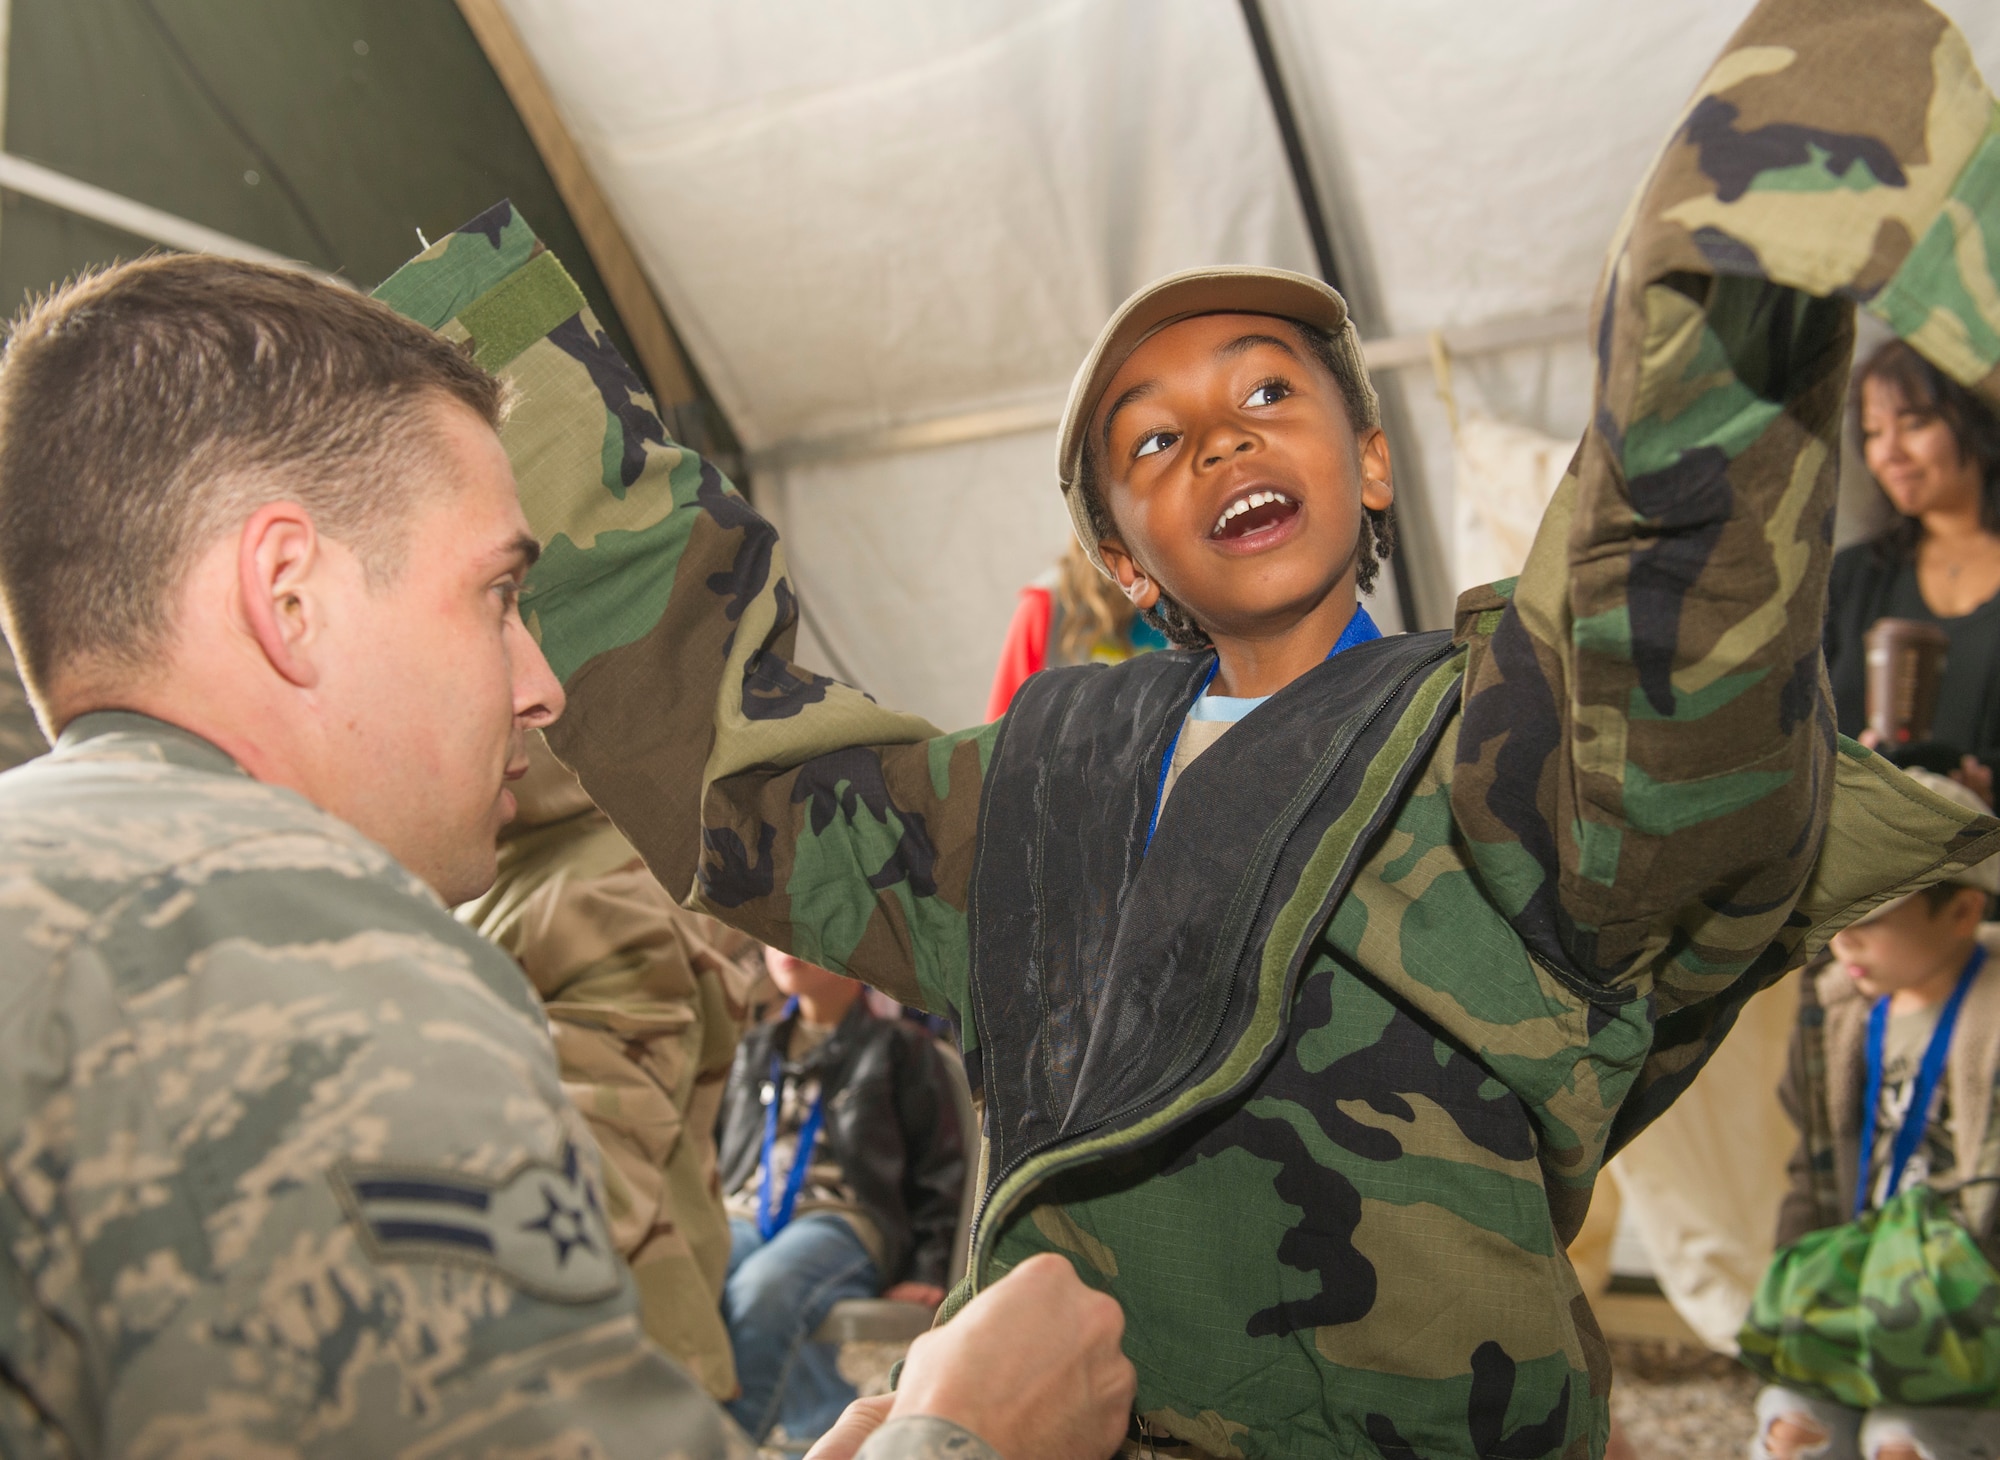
(284, 1164)
(647, 1002)
(1898, 1308)
(1640, 815)
(20, 737)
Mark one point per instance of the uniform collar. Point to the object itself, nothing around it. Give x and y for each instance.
(128, 735)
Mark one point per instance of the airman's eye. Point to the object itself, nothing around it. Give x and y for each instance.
(1153, 441)
(1268, 394)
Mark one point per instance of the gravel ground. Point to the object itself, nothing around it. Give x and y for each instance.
(1674, 1401)
(1678, 1402)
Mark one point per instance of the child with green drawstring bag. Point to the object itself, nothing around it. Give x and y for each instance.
(1877, 1326)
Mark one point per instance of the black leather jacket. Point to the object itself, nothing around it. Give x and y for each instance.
(890, 1122)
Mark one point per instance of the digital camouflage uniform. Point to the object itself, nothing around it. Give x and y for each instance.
(1596, 821)
(286, 1166)
(646, 1001)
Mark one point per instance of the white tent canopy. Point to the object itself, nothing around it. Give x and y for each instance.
(887, 233)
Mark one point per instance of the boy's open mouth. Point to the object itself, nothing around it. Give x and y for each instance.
(1252, 513)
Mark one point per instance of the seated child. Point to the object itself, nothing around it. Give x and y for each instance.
(1312, 974)
(1909, 958)
(843, 1166)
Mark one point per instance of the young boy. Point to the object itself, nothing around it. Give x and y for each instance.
(873, 1211)
(1311, 1058)
(1924, 963)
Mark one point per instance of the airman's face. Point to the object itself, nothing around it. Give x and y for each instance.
(437, 679)
(1232, 473)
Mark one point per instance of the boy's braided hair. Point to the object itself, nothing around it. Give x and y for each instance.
(1378, 532)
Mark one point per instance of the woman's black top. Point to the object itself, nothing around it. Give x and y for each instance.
(1863, 589)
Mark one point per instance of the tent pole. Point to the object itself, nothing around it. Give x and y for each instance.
(72, 195)
(625, 280)
(1396, 352)
(1315, 217)
(1295, 147)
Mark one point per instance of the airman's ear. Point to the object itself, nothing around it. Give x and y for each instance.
(278, 599)
(1378, 477)
(1133, 579)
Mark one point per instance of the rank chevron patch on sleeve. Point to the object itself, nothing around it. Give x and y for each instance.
(541, 1226)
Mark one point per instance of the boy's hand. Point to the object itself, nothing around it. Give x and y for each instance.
(926, 1295)
(1032, 1366)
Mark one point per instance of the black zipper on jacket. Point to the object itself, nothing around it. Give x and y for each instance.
(1221, 1019)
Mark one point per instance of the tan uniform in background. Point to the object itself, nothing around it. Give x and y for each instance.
(646, 1002)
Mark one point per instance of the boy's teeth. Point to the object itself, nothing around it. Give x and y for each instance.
(1244, 504)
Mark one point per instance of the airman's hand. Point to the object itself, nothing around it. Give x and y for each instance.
(1032, 1366)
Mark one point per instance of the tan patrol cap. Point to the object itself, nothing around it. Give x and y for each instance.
(1986, 875)
(1220, 289)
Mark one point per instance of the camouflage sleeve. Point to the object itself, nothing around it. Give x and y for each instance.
(925, 1437)
(789, 805)
(1647, 752)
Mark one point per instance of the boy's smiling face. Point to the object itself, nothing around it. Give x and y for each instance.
(1234, 478)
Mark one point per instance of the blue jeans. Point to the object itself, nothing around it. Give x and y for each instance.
(776, 1294)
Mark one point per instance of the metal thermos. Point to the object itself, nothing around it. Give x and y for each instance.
(1905, 670)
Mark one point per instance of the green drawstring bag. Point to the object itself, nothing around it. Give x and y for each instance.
(1897, 1307)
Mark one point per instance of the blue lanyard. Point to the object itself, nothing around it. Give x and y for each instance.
(1360, 629)
(1929, 1072)
(768, 1225)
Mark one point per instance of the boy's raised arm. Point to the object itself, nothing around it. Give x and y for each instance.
(1647, 754)
(789, 805)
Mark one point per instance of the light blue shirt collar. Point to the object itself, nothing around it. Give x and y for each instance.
(1231, 708)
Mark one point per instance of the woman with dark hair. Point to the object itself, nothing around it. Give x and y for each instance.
(1934, 450)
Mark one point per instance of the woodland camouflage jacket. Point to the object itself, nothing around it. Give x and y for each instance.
(1624, 807)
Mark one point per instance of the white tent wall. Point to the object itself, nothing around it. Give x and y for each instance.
(871, 215)
(864, 217)
(934, 543)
